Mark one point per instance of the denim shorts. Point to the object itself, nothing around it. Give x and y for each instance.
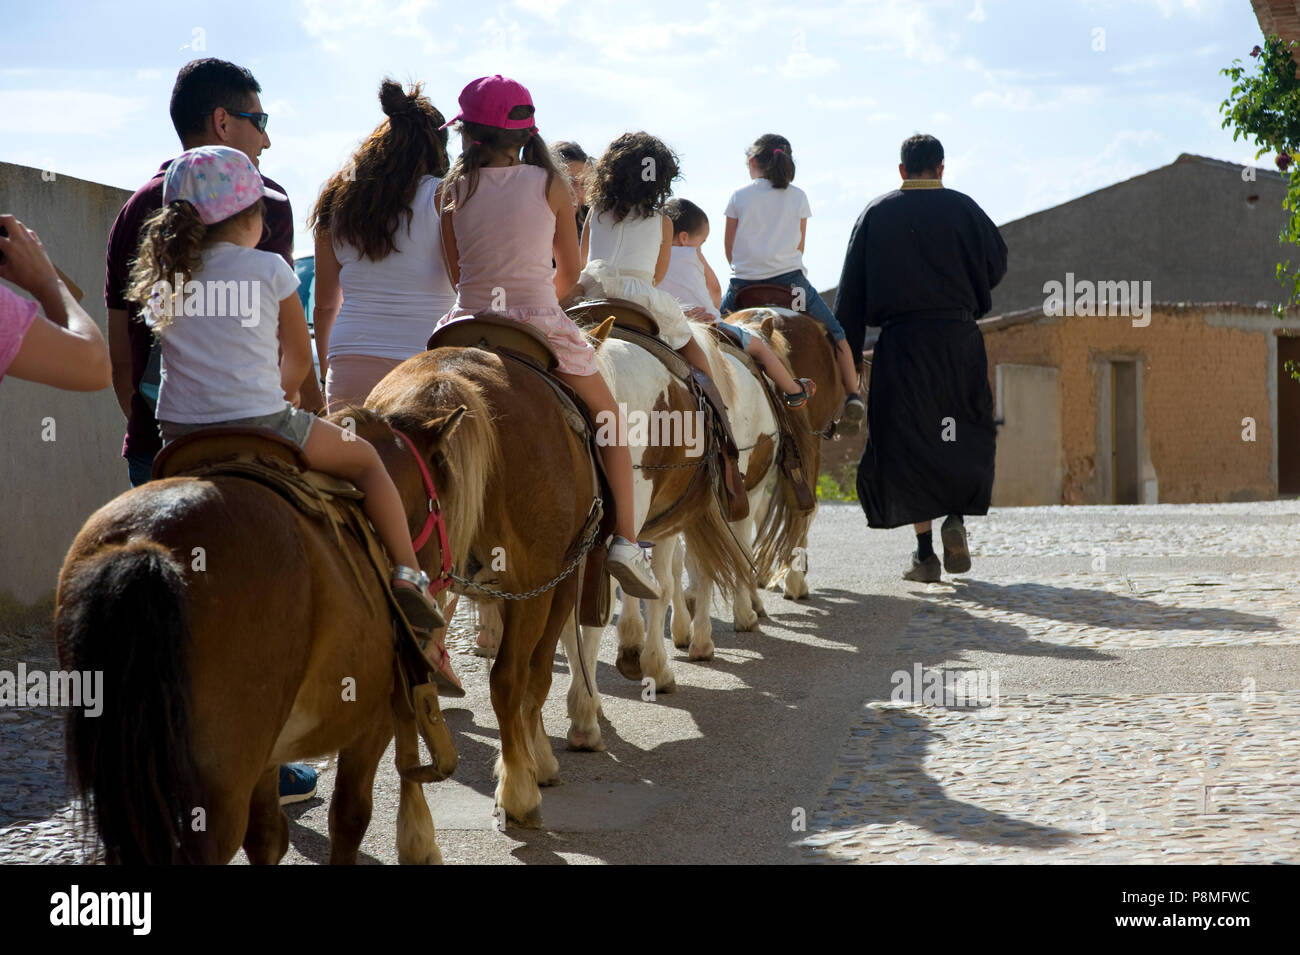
(814, 306)
(744, 334)
(292, 423)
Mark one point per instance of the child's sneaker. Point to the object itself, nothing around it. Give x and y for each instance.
(410, 588)
(629, 567)
(297, 783)
(853, 417)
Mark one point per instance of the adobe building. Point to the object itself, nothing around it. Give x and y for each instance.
(1178, 394)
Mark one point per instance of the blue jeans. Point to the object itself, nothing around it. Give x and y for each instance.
(139, 468)
(813, 304)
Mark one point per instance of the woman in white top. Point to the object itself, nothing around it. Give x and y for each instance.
(381, 283)
(627, 243)
(767, 225)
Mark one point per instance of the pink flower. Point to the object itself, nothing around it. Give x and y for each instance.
(1283, 160)
(1256, 52)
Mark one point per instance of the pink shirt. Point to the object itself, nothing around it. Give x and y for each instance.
(16, 316)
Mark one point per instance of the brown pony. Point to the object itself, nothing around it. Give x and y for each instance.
(234, 636)
(521, 496)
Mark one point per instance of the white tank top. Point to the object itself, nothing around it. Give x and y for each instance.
(391, 306)
(630, 246)
(684, 280)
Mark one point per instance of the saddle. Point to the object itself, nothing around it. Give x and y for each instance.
(530, 348)
(634, 324)
(273, 461)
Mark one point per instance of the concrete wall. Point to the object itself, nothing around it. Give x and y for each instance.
(51, 487)
(1189, 227)
(1203, 369)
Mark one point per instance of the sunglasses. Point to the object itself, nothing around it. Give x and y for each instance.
(257, 119)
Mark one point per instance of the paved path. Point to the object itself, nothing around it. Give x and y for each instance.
(1133, 673)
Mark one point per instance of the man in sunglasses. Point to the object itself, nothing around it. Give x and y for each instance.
(214, 103)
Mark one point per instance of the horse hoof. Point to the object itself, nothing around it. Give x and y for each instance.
(700, 656)
(585, 741)
(530, 820)
(629, 663)
(553, 780)
(746, 624)
(669, 687)
(682, 642)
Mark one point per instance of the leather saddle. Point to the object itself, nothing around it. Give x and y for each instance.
(263, 456)
(528, 347)
(634, 324)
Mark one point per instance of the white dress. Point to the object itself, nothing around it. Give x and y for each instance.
(621, 259)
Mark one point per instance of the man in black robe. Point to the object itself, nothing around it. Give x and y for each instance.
(921, 263)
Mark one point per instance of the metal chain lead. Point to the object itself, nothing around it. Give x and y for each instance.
(536, 591)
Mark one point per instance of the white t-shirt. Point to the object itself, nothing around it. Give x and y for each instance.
(685, 282)
(767, 230)
(220, 354)
(390, 307)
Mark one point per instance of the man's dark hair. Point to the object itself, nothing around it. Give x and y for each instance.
(921, 153)
(204, 85)
(686, 216)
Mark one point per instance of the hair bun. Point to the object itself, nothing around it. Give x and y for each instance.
(394, 99)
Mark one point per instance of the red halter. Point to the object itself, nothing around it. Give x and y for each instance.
(434, 520)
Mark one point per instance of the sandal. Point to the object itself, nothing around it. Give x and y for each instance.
(800, 398)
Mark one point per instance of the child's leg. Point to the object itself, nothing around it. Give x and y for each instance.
(356, 460)
(848, 371)
(616, 457)
(772, 365)
(694, 354)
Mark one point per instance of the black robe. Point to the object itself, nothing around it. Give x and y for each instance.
(921, 265)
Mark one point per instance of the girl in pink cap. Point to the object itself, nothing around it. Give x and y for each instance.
(222, 310)
(507, 215)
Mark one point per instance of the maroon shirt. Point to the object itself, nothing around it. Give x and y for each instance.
(142, 439)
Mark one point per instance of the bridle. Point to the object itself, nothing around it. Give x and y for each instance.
(433, 522)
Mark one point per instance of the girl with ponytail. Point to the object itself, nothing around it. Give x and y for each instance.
(767, 226)
(380, 279)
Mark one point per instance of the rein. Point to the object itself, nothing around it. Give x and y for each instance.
(433, 522)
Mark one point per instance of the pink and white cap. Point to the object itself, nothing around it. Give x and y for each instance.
(488, 101)
(217, 180)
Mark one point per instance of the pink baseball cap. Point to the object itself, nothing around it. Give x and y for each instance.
(488, 101)
(217, 180)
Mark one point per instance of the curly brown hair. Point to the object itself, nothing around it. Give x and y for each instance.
(172, 241)
(633, 178)
(362, 204)
(481, 142)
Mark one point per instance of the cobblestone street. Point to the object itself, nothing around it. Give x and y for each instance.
(1137, 672)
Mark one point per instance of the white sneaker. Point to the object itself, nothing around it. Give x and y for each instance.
(630, 568)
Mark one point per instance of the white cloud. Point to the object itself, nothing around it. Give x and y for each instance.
(801, 65)
(334, 23)
(66, 112)
(977, 15)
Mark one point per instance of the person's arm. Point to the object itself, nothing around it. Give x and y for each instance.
(295, 346)
(119, 353)
(803, 233)
(450, 254)
(329, 297)
(584, 243)
(665, 250)
(65, 349)
(710, 280)
(851, 296)
(566, 239)
(729, 237)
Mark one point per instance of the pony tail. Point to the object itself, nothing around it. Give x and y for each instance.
(171, 246)
(537, 153)
(775, 159)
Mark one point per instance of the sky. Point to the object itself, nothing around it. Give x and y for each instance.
(1036, 101)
